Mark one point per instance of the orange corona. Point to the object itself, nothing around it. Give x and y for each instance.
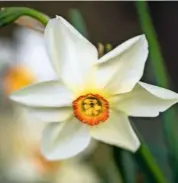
(91, 109)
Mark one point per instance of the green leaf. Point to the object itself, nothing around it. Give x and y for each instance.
(147, 162)
(78, 22)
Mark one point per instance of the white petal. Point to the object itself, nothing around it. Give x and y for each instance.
(117, 131)
(44, 94)
(123, 67)
(71, 54)
(64, 140)
(57, 114)
(145, 100)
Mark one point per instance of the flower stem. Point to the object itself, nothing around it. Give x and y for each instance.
(10, 14)
(147, 161)
(37, 15)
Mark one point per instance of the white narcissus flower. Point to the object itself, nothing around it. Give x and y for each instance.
(92, 97)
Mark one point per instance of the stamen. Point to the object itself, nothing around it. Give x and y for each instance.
(91, 109)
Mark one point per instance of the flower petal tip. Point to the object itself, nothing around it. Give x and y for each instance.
(141, 38)
(58, 17)
(144, 40)
(135, 148)
(53, 157)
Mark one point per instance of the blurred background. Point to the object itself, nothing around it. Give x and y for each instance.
(23, 61)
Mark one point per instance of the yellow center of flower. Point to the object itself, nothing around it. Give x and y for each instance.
(16, 78)
(91, 109)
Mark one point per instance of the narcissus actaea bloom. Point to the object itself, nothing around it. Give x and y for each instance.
(92, 97)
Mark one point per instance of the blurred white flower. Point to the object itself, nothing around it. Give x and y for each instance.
(30, 63)
(22, 170)
(75, 172)
(91, 98)
(31, 54)
(6, 53)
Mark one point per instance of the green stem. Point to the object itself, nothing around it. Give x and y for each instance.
(147, 161)
(37, 15)
(9, 15)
